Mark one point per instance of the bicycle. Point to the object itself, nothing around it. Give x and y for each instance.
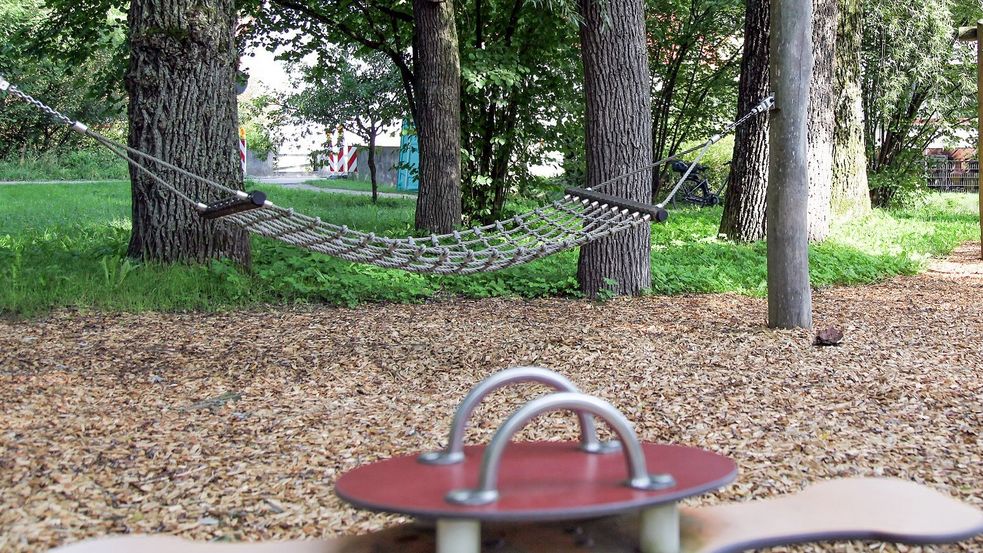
(696, 188)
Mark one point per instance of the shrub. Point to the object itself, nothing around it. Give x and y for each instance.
(89, 164)
(895, 188)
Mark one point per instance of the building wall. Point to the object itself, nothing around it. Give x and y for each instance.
(386, 160)
(258, 167)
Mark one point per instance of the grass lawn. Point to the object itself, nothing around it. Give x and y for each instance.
(350, 184)
(64, 246)
(77, 165)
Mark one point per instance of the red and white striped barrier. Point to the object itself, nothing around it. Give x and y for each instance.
(344, 161)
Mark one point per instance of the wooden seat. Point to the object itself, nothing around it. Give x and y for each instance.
(857, 508)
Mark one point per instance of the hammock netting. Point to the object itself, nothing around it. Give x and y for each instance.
(582, 216)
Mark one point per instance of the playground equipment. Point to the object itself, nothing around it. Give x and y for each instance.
(583, 215)
(538, 497)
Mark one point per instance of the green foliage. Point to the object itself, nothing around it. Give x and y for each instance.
(304, 27)
(64, 246)
(694, 58)
(90, 164)
(87, 89)
(261, 117)
(608, 292)
(694, 54)
(897, 187)
(362, 94)
(521, 90)
(918, 82)
(521, 93)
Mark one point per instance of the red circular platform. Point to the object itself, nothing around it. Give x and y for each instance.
(538, 481)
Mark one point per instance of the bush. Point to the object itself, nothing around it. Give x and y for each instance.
(540, 189)
(90, 164)
(717, 160)
(893, 188)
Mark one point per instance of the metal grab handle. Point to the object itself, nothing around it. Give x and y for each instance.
(454, 452)
(487, 490)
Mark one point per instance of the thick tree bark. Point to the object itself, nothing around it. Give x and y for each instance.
(438, 88)
(747, 185)
(745, 218)
(618, 137)
(850, 194)
(183, 110)
(789, 294)
(821, 118)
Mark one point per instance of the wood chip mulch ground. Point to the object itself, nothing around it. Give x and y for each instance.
(234, 426)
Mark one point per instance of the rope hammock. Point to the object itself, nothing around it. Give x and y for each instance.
(583, 215)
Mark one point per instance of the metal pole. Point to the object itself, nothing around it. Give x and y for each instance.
(659, 529)
(789, 294)
(979, 107)
(458, 536)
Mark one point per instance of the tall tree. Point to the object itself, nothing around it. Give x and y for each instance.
(918, 83)
(747, 184)
(694, 57)
(423, 46)
(618, 137)
(183, 110)
(745, 203)
(438, 90)
(363, 97)
(850, 196)
(821, 117)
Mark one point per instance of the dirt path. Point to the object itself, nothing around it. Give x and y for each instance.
(235, 425)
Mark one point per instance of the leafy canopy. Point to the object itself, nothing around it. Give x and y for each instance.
(918, 81)
(362, 94)
(34, 59)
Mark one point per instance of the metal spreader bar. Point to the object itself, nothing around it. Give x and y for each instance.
(235, 204)
(654, 212)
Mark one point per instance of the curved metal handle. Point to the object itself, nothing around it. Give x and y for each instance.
(487, 490)
(454, 452)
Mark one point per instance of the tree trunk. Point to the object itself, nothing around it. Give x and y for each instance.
(789, 294)
(438, 86)
(979, 121)
(747, 185)
(821, 118)
(850, 194)
(183, 110)
(372, 169)
(618, 137)
(500, 167)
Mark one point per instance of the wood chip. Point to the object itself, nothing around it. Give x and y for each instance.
(96, 436)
